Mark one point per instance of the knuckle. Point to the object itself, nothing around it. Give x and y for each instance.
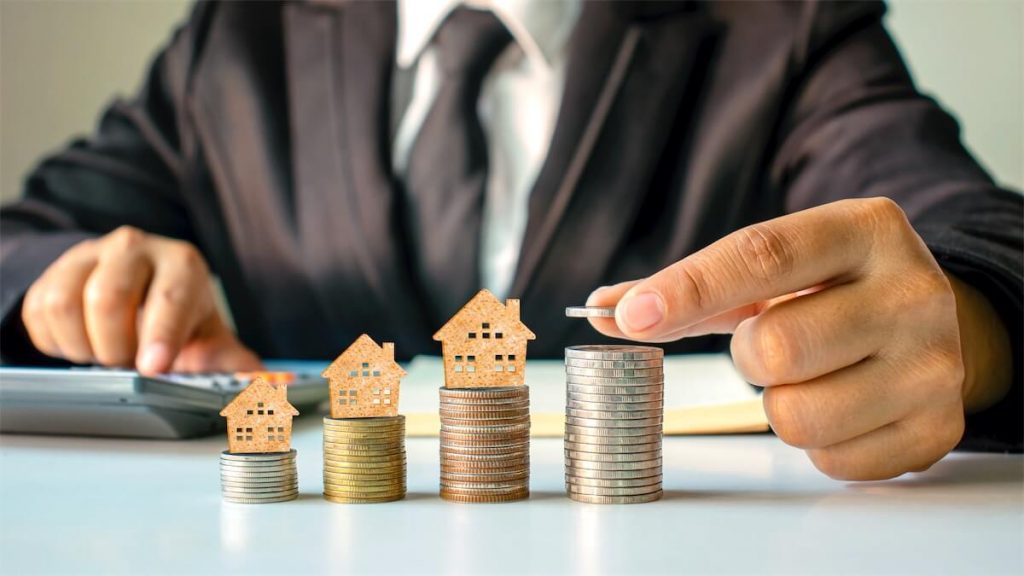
(882, 214)
(105, 297)
(126, 238)
(771, 353)
(62, 302)
(788, 420)
(692, 286)
(186, 256)
(764, 252)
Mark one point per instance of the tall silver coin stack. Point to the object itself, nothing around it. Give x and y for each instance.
(485, 444)
(613, 423)
(259, 478)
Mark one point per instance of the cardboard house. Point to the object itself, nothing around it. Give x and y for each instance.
(364, 380)
(484, 344)
(260, 419)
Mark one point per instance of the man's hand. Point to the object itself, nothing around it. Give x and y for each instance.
(130, 298)
(842, 314)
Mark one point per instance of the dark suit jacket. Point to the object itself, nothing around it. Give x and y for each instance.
(261, 135)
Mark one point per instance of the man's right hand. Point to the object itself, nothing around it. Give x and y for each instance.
(131, 298)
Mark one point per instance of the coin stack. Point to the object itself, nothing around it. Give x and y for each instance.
(614, 413)
(364, 459)
(259, 478)
(485, 444)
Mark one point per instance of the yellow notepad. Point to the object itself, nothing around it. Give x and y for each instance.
(703, 395)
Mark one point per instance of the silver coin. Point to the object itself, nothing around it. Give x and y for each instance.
(613, 474)
(590, 311)
(656, 371)
(259, 491)
(279, 483)
(614, 406)
(614, 352)
(266, 476)
(603, 491)
(644, 430)
(586, 363)
(628, 417)
(647, 424)
(597, 457)
(612, 448)
(575, 465)
(620, 483)
(262, 495)
(657, 396)
(261, 500)
(616, 381)
(611, 440)
(259, 457)
(266, 470)
(590, 390)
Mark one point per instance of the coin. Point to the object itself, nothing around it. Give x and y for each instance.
(257, 470)
(596, 457)
(613, 474)
(614, 352)
(613, 423)
(590, 311)
(617, 398)
(258, 457)
(354, 500)
(607, 431)
(370, 422)
(648, 373)
(235, 500)
(576, 464)
(375, 467)
(591, 499)
(598, 491)
(485, 498)
(612, 440)
(485, 393)
(620, 483)
(600, 390)
(586, 363)
(614, 406)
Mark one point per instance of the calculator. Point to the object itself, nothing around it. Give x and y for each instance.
(109, 402)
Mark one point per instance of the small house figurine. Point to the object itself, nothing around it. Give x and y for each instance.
(260, 419)
(484, 344)
(364, 380)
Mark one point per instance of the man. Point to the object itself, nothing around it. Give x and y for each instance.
(764, 169)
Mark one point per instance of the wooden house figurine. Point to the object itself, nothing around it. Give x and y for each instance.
(484, 344)
(260, 419)
(364, 380)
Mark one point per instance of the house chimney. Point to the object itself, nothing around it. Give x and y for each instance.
(512, 306)
(389, 350)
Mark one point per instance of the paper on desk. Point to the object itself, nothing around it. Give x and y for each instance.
(703, 395)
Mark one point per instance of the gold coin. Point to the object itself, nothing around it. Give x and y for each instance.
(347, 500)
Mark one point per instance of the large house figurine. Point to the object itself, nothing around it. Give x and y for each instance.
(260, 419)
(484, 344)
(364, 380)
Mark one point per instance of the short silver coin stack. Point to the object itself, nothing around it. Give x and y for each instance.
(613, 423)
(259, 478)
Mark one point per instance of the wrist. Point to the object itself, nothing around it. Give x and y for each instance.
(985, 348)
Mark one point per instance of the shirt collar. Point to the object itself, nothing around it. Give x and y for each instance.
(540, 27)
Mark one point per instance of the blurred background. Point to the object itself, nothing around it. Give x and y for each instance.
(62, 61)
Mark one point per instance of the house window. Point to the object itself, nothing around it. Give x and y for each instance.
(239, 430)
(259, 404)
(366, 364)
(511, 367)
(248, 430)
(280, 428)
(270, 412)
(470, 368)
(387, 401)
(249, 412)
(366, 372)
(376, 373)
(387, 391)
(353, 374)
(511, 357)
(498, 335)
(470, 358)
(497, 367)
(280, 438)
(259, 412)
(376, 401)
(270, 428)
(239, 438)
(498, 357)
(458, 367)
(270, 437)
(472, 335)
(458, 357)
(376, 391)
(486, 335)
(248, 438)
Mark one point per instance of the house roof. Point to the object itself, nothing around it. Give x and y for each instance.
(485, 306)
(259, 388)
(363, 349)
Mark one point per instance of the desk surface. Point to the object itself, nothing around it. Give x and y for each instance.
(745, 504)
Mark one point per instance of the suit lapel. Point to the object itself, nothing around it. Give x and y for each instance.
(624, 83)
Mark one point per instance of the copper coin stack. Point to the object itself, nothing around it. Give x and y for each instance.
(485, 444)
(364, 459)
(613, 423)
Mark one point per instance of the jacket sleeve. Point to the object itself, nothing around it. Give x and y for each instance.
(129, 172)
(859, 128)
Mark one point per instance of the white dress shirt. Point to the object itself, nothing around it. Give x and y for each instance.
(518, 107)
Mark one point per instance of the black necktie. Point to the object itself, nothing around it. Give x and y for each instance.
(448, 161)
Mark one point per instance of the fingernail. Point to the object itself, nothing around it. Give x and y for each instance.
(642, 311)
(154, 357)
(593, 295)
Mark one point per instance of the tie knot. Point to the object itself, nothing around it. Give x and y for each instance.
(469, 41)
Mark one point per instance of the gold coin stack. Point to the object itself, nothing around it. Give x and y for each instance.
(364, 459)
(259, 478)
(485, 444)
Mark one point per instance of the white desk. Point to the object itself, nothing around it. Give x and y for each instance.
(745, 504)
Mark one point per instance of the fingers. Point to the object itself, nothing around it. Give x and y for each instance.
(215, 348)
(113, 294)
(802, 338)
(608, 296)
(178, 300)
(908, 445)
(754, 264)
(55, 313)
